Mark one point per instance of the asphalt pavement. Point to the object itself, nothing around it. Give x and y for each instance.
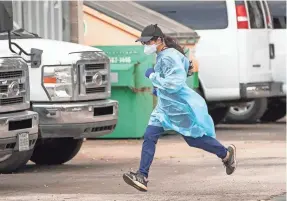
(178, 173)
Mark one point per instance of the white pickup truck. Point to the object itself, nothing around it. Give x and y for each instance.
(70, 91)
(18, 125)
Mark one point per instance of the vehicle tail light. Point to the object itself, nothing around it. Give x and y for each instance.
(242, 18)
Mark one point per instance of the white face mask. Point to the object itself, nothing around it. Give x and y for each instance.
(150, 49)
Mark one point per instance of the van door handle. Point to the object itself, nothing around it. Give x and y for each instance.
(271, 51)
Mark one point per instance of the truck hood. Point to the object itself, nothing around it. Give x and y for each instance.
(5, 52)
(54, 52)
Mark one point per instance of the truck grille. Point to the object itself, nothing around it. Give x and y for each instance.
(89, 79)
(4, 88)
(103, 128)
(90, 67)
(95, 90)
(10, 101)
(11, 74)
(91, 71)
(89, 87)
(14, 84)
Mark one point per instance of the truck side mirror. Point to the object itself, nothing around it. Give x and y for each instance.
(6, 16)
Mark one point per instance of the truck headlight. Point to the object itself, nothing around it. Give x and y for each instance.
(58, 82)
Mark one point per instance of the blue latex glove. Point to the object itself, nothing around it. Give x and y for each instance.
(154, 91)
(148, 72)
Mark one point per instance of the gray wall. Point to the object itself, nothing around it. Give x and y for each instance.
(49, 19)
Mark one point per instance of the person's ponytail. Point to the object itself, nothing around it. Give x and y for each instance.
(172, 43)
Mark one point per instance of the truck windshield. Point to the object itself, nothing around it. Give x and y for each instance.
(18, 34)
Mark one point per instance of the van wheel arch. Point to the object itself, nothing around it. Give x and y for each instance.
(250, 113)
(276, 110)
(217, 113)
(200, 89)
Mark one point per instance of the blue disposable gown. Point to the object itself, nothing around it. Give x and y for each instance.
(179, 108)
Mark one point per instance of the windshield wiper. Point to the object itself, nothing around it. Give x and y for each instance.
(21, 32)
(15, 33)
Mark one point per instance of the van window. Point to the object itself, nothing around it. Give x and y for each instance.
(194, 14)
(278, 14)
(256, 17)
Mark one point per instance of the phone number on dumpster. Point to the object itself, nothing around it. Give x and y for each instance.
(120, 59)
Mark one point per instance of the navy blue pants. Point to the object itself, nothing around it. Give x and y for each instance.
(152, 134)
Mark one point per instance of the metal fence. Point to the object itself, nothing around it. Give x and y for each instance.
(49, 19)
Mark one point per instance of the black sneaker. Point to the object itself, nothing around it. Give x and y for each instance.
(136, 180)
(231, 163)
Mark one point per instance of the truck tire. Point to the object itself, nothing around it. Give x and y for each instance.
(275, 111)
(218, 114)
(15, 162)
(55, 151)
(250, 113)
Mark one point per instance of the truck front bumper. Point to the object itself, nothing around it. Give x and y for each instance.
(77, 120)
(262, 90)
(12, 126)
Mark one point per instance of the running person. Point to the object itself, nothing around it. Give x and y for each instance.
(179, 108)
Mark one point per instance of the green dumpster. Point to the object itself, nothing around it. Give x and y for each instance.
(192, 81)
(132, 89)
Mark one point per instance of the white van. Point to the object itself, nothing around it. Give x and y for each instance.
(233, 50)
(275, 107)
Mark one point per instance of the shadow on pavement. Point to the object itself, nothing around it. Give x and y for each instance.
(93, 166)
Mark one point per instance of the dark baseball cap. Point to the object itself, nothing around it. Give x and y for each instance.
(149, 32)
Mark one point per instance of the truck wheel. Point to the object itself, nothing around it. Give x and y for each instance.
(275, 111)
(15, 162)
(251, 112)
(55, 151)
(218, 114)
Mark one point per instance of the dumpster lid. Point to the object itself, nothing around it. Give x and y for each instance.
(138, 17)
